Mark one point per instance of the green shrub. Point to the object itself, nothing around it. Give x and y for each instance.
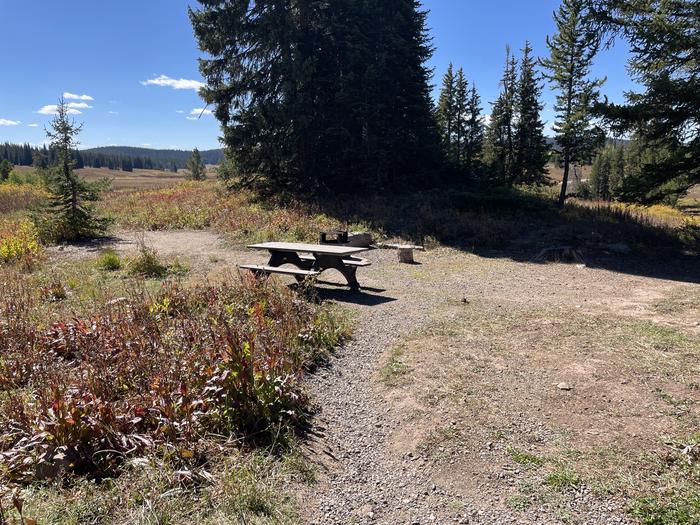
(109, 261)
(147, 264)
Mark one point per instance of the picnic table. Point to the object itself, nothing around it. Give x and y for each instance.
(310, 260)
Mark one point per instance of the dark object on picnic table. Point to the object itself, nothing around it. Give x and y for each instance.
(334, 237)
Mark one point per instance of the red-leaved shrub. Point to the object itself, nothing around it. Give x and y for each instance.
(152, 370)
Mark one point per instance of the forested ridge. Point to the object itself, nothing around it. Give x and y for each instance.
(124, 158)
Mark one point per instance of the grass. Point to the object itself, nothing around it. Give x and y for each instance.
(681, 509)
(75, 313)
(235, 488)
(109, 261)
(679, 300)
(19, 196)
(525, 459)
(395, 370)
(563, 479)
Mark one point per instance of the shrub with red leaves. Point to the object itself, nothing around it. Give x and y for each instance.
(151, 371)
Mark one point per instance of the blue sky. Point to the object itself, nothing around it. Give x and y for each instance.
(131, 65)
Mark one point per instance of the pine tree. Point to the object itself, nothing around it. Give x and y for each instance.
(532, 152)
(71, 213)
(316, 96)
(461, 105)
(617, 174)
(446, 112)
(665, 41)
(195, 166)
(40, 159)
(572, 50)
(5, 169)
(500, 144)
(474, 135)
(601, 170)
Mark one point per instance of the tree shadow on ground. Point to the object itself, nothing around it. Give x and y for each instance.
(519, 225)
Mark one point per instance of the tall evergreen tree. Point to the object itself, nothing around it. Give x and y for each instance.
(601, 169)
(71, 212)
(500, 144)
(446, 111)
(664, 37)
(461, 105)
(572, 50)
(318, 96)
(195, 166)
(475, 133)
(532, 151)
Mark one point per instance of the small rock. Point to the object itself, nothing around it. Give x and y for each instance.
(564, 386)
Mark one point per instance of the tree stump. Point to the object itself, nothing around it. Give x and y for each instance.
(406, 255)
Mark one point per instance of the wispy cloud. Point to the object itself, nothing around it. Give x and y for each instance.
(191, 118)
(181, 111)
(78, 105)
(33, 125)
(146, 144)
(166, 81)
(52, 109)
(73, 96)
(113, 112)
(7, 122)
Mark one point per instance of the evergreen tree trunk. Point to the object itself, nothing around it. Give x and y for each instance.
(565, 180)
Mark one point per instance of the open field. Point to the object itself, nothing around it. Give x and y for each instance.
(482, 385)
(136, 180)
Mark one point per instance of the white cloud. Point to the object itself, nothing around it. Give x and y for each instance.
(179, 111)
(201, 111)
(146, 144)
(33, 125)
(51, 109)
(113, 112)
(166, 81)
(78, 105)
(191, 118)
(6, 122)
(73, 96)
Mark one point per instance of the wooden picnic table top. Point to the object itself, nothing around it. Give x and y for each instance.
(299, 247)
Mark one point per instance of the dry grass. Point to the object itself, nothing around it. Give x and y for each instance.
(493, 368)
(198, 205)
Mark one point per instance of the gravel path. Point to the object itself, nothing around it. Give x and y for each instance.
(364, 484)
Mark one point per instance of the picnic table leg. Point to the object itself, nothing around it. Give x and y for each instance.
(324, 262)
(279, 258)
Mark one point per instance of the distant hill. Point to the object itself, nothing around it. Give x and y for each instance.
(163, 157)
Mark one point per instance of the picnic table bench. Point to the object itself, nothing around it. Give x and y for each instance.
(310, 260)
